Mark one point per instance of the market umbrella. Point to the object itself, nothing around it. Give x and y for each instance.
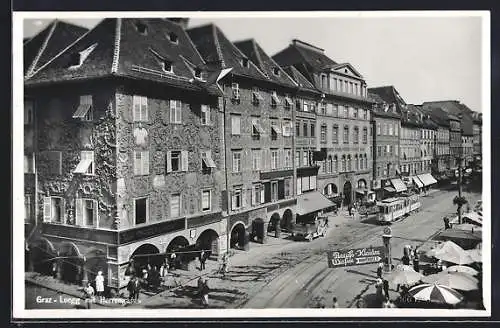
(475, 254)
(435, 293)
(463, 269)
(451, 252)
(455, 280)
(404, 275)
(473, 217)
(467, 227)
(443, 247)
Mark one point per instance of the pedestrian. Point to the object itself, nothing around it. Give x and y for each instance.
(416, 262)
(54, 269)
(200, 287)
(88, 294)
(446, 223)
(335, 303)
(173, 259)
(379, 286)
(99, 284)
(386, 287)
(405, 259)
(204, 293)
(388, 304)
(202, 260)
(163, 273)
(136, 288)
(379, 270)
(131, 288)
(349, 208)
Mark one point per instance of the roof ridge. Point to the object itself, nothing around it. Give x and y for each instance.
(30, 71)
(68, 47)
(217, 46)
(116, 51)
(193, 45)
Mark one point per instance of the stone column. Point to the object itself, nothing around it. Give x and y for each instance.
(246, 241)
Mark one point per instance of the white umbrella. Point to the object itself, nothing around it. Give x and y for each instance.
(463, 269)
(451, 252)
(435, 293)
(404, 275)
(475, 254)
(455, 280)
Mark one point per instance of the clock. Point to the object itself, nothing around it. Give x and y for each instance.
(387, 231)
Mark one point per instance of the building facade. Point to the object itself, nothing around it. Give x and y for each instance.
(343, 120)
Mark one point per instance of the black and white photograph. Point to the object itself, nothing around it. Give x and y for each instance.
(183, 164)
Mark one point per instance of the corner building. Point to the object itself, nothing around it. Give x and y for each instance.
(343, 120)
(130, 152)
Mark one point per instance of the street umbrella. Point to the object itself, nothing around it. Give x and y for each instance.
(404, 275)
(447, 246)
(435, 293)
(455, 280)
(475, 254)
(463, 269)
(467, 227)
(451, 252)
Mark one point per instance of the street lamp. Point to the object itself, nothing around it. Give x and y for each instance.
(460, 157)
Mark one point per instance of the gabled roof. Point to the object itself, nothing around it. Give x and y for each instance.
(219, 52)
(410, 117)
(300, 79)
(437, 115)
(381, 108)
(299, 51)
(347, 66)
(424, 117)
(455, 108)
(265, 63)
(42, 47)
(390, 95)
(117, 46)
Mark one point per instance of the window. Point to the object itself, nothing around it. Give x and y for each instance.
(29, 163)
(173, 37)
(54, 160)
(175, 205)
(298, 104)
(288, 102)
(379, 151)
(207, 163)
(378, 129)
(177, 161)
(335, 134)
(140, 104)
(287, 129)
(335, 164)
(343, 163)
(86, 112)
(356, 163)
(256, 97)
(206, 200)
(356, 89)
(198, 74)
(167, 66)
(275, 130)
(28, 112)
(346, 134)
(288, 187)
(349, 163)
(335, 110)
(86, 212)
(356, 135)
(346, 111)
(276, 71)
(244, 62)
(355, 112)
(77, 58)
(288, 158)
(141, 162)
(256, 159)
(328, 164)
(86, 164)
(175, 111)
(53, 209)
(385, 129)
(297, 158)
(324, 109)
(275, 101)
(323, 133)
(258, 194)
(305, 129)
(274, 159)
(236, 199)
(299, 186)
(346, 86)
(236, 161)
(350, 87)
(235, 91)
(297, 129)
(305, 158)
(205, 115)
(390, 129)
(141, 28)
(313, 127)
(324, 82)
(274, 191)
(27, 208)
(235, 124)
(365, 135)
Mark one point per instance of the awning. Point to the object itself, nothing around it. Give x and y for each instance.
(398, 185)
(417, 181)
(81, 111)
(83, 166)
(311, 202)
(209, 162)
(257, 127)
(276, 129)
(427, 179)
(389, 189)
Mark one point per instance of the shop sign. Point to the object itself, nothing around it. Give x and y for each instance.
(354, 257)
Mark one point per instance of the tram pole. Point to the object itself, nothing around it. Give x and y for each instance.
(386, 239)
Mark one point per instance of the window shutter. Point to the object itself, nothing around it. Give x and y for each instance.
(136, 108)
(79, 212)
(137, 164)
(185, 160)
(96, 214)
(168, 159)
(281, 159)
(261, 195)
(145, 162)
(185, 111)
(47, 209)
(233, 200)
(172, 111)
(243, 198)
(267, 192)
(144, 108)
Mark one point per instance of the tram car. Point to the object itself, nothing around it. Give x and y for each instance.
(396, 208)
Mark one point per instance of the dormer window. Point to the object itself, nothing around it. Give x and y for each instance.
(197, 73)
(276, 71)
(167, 66)
(244, 62)
(76, 59)
(141, 28)
(173, 38)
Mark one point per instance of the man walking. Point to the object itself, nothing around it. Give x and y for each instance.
(386, 288)
(204, 293)
(416, 260)
(203, 259)
(379, 270)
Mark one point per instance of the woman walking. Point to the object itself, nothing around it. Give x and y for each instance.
(99, 284)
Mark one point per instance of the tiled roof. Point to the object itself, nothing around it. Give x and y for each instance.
(300, 79)
(54, 38)
(219, 52)
(120, 47)
(265, 63)
(390, 95)
(439, 116)
(455, 108)
(410, 116)
(299, 52)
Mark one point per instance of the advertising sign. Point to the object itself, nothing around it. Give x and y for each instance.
(353, 257)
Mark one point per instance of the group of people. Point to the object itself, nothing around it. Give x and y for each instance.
(411, 256)
(89, 292)
(203, 291)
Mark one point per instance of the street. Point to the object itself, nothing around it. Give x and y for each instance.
(295, 274)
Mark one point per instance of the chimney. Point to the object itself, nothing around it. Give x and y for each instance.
(183, 22)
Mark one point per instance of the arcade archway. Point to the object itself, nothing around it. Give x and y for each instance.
(238, 236)
(209, 242)
(347, 193)
(287, 222)
(274, 222)
(257, 232)
(71, 263)
(42, 255)
(361, 183)
(144, 255)
(96, 260)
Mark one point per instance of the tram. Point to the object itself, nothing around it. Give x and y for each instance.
(395, 208)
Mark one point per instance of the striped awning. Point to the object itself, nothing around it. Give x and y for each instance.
(398, 185)
(81, 111)
(427, 179)
(417, 181)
